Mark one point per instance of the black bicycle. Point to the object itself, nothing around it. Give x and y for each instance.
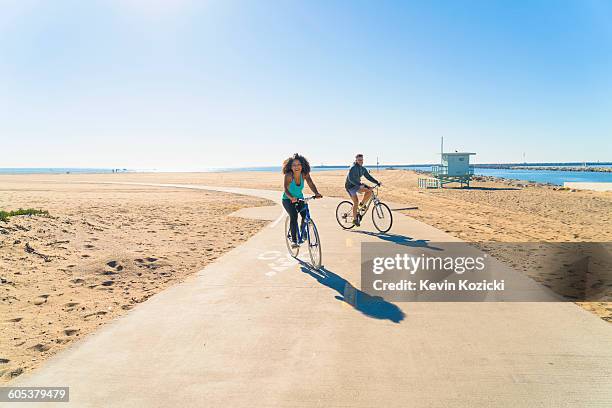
(381, 213)
(306, 233)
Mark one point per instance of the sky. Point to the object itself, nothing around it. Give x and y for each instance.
(188, 85)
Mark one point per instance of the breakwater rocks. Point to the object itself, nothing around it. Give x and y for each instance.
(512, 182)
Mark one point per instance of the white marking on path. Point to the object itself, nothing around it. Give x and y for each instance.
(280, 217)
(268, 255)
(280, 261)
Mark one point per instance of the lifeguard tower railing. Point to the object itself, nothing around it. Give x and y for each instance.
(443, 170)
(441, 174)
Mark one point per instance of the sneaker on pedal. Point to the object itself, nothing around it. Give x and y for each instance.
(295, 245)
(356, 222)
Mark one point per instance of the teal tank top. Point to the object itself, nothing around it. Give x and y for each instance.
(295, 190)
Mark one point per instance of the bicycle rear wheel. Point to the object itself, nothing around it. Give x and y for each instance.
(344, 214)
(292, 251)
(314, 245)
(382, 217)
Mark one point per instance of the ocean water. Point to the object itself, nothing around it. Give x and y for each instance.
(557, 177)
(540, 176)
(548, 176)
(59, 170)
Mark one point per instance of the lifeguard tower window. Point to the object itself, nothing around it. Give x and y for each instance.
(455, 168)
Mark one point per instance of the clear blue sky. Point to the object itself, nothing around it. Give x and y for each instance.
(182, 84)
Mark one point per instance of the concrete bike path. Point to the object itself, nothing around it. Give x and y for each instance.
(258, 328)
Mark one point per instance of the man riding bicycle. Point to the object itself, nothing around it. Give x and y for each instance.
(353, 185)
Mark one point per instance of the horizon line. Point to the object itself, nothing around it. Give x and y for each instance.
(209, 169)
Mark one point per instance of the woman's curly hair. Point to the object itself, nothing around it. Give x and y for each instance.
(287, 164)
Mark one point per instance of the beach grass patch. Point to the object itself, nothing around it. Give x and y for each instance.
(5, 215)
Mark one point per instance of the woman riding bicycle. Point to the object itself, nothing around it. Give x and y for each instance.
(296, 170)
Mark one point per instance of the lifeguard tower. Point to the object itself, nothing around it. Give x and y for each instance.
(454, 168)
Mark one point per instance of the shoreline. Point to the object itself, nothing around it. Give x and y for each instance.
(501, 180)
(600, 167)
(485, 178)
(519, 182)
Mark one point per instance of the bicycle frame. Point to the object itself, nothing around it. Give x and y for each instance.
(302, 232)
(305, 233)
(381, 213)
(373, 199)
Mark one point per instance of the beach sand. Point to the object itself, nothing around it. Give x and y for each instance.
(490, 211)
(107, 248)
(103, 250)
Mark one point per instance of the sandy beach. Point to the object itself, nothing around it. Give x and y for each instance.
(489, 211)
(105, 248)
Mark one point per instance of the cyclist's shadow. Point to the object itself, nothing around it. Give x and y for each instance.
(399, 239)
(371, 306)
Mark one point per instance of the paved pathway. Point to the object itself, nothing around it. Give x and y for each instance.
(259, 329)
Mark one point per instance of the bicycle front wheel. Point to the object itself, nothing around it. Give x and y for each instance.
(292, 251)
(344, 214)
(314, 245)
(382, 217)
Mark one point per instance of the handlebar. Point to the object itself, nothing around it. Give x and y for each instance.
(306, 199)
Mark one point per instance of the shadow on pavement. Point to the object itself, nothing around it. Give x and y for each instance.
(399, 239)
(372, 306)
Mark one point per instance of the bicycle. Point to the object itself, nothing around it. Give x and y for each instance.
(307, 232)
(381, 213)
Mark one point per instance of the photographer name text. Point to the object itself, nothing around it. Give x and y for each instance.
(427, 285)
